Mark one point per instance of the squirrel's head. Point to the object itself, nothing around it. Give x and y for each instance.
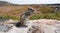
(30, 10)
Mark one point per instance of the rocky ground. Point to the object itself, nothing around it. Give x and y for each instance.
(33, 26)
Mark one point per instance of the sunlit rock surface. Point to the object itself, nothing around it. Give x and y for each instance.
(44, 26)
(34, 26)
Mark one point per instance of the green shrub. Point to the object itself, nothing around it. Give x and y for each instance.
(45, 16)
(10, 17)
(58, 14)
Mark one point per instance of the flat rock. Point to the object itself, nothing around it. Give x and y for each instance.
(5, 27)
